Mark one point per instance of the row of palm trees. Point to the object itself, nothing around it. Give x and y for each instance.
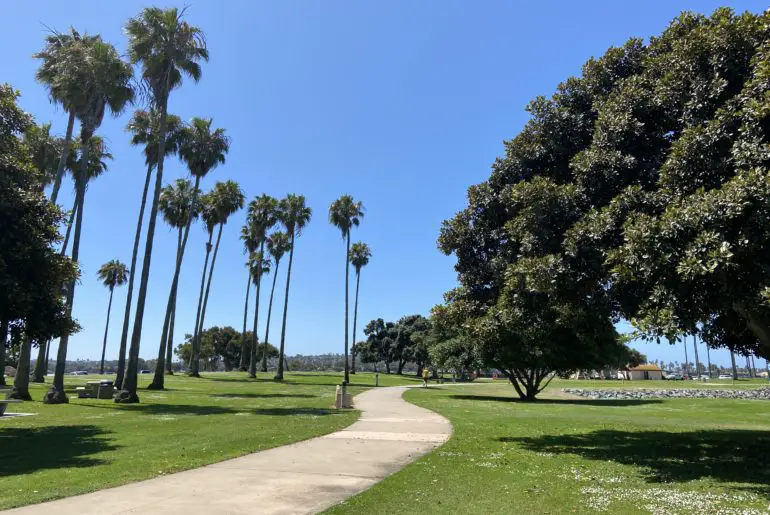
(87, 77)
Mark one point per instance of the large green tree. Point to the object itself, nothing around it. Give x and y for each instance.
(345, 213)
(294, 215)
(105, 82)
(144, 127)
(277, 246)
(167, 47)
(113, 273)
(359, 258)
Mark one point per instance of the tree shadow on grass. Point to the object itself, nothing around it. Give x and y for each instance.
(725, 455)
(574, 402)
(165, 409)
(296, 411)
(262, 395)
(26, 450)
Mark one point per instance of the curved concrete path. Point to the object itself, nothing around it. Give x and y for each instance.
(305, 477)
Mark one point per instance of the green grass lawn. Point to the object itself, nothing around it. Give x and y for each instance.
(91, 444)
(564, 455)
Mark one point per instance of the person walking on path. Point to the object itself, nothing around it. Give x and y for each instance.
(425, 377)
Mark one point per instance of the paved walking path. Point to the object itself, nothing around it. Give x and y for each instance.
(305, 477)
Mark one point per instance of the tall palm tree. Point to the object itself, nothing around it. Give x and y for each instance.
(697, 361)
(202, 149)
(145, 130)
(167, 48)
(345, 213)
(112, 273)
(227, 199)
(59, 56)
(105, 82)
(250, 245)
(262, 215)
(294, 215)
(98, 154)
(359, 258)
(259, 265)
(277, 246)
(209, 217)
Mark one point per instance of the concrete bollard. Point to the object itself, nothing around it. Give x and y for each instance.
(376, 379)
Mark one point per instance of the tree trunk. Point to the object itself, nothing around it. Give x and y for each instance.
(195, 357)
(281, 350)
(208, 286)
(20, 388)
(47, 352)
(735, 369)
(3, 341)
(387, 367)
(708, 358)
(697, 361)
(244, 346)
(56, 394)
(355, 320)
(131, 275)
(63, 250)
(170, 344)
(158, 380)
(106, 329)
(686, 359)
(347, 280)
(38, 375)
(63, 158)
(269, 312)
(254, 339)
(758, 325)
(401, 364)
(130, 381)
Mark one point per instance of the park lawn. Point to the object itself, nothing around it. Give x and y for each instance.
(92, 444)
(566, 455)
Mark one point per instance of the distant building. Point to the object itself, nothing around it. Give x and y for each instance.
(642, 372)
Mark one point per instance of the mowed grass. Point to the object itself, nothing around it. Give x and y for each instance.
(91, 444)
(567, 455)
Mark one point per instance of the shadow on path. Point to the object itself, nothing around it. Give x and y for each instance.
(725, 455)
(574, 402)
(24, 450)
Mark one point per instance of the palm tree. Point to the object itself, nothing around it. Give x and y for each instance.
(45, 150)
(209, 216)
(294, 215)
(227, 199)
(277, 246)
(262, 215)
(105, 82)
(112, 273)
(259, 265)
(59, 56)
(345, 213)
(98, 154)
(167, 47)
(250, 245)
(359, 258)
(144, 127)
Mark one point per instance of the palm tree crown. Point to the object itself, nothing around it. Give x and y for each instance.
(359, 255)
(167, 46)
(278, 245)
(293, 213)
(98, 153)
(45, 150)
(145, 128)
(228, 199)
(201, 149)
(262, 215)
(208, 211)
(258, 265)
(113, 273)
(345, 213)
(176, 202)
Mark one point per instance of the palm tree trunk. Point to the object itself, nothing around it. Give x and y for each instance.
(63, 158)
(281, 351)
(697, 361)
(106, 329)
(63, 250)
(269, 312)
(244, 346)
(47, 352)
(208, 285)
(686, 359)
(253, 357)
(170, 344)
(158, 380)
(130, 381)
(735, 369)
(20, 388)
(355, 320)
(38, 375)
(194, 359)
(3, 340)
(56, 394)
(708, 358)
(347, 277)
(131, 275)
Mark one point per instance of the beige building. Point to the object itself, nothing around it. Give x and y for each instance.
(643, 372)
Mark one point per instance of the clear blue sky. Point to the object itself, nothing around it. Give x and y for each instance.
(402, 104)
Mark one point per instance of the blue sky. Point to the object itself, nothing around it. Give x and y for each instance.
(402, 104)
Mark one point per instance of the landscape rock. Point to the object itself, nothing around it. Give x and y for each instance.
(672, 393)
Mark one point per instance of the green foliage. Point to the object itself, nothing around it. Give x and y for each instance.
(113, 273)
(221, 346)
